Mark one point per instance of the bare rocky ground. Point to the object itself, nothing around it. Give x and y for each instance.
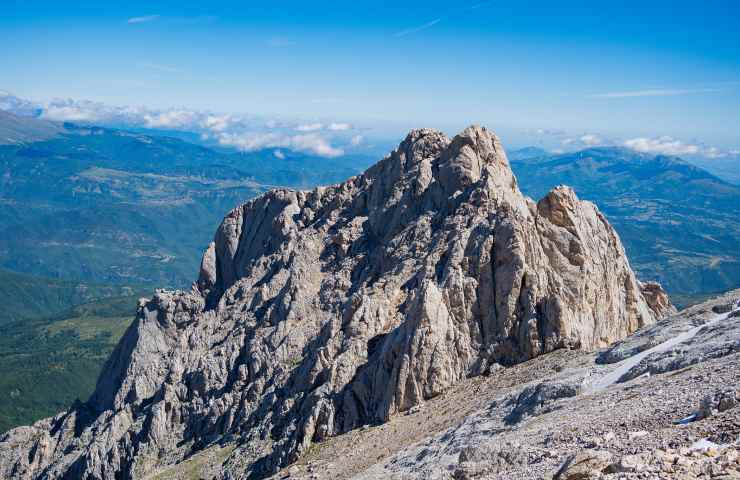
(541, 419)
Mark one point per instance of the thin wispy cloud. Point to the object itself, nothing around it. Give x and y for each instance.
(417, 29)
(554, 132)
(430, 24)
(160, 67)
(664, 145)
(655, 92)
(479, 5)
(310, 127)
(339, 127)
(143, 19)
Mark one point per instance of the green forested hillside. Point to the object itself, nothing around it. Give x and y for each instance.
(46, 364)
(28, 297)
(54, 337)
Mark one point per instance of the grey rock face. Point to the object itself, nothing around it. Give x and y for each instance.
(316, 312)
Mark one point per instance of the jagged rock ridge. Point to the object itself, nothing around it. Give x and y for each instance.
(316, 312)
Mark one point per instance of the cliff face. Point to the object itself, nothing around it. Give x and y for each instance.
(318, 312)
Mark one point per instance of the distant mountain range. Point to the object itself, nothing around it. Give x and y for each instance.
(680, 224)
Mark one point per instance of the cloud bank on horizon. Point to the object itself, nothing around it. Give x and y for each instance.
(655, 145)
(242, 132)
(327, 139)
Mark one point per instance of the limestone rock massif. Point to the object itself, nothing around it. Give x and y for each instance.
(316, 312)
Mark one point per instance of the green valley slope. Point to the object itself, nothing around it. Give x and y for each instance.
(28, 297)
(46, 364)
(54, 337)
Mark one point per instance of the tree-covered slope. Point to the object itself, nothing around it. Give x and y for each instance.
(48, 363)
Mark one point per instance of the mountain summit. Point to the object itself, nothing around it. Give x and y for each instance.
(317, 312)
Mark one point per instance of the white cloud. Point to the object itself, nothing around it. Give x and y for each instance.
(309, 127)
(217, 123)
(316, 144)
(278, 154)
(68, 110)
(664, 145)
(170, 119)
(83, 111)
(356, 140)
(334, 127)
(310, 142)
(734, 152)
(250, 141)
(242, 132)
(143, 19)
(549, 132)
(591, 140)
(69, 113)
(585, 140)
(337, 127)
(714, 152)
(656, 92)
(417, 29)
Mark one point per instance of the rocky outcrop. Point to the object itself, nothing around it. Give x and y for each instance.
(320, 311)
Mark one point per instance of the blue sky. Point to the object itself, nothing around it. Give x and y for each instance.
(615, 70)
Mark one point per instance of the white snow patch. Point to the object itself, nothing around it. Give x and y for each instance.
(703, 445)
(627, 364)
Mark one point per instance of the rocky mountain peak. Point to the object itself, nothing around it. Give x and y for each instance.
(316, 312)
(472, 154)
